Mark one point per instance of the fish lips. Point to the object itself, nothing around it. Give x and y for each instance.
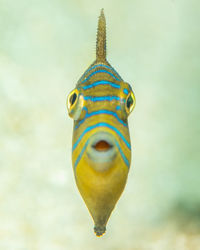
(101, 150)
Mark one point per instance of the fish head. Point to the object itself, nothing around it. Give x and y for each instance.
(100, 110)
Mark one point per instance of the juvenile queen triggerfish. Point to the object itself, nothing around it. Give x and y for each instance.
(101, 151)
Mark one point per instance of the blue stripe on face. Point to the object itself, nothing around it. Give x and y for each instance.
(84, 108)
(100, 71)
(100, 65)
(123, 155)
(103, 111)
(85, 146)
(118, 107)
(101, 124)
(114, 85)
(103, 98)
(125, 91)
(81, 154)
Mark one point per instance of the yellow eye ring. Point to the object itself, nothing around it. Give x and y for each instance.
(130, 103)
(72, 99)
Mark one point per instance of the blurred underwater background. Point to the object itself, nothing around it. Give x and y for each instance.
(45, 47)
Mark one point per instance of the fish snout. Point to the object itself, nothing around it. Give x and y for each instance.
(101, 150)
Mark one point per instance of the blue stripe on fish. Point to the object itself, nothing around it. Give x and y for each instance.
(101, 124)
(100, 65)
(103, 98)
(125, 91)
(94, 84)
(100, 71)
(80, 155)
(123, 155)
(86, 109)
(102, 111)
(118, 107)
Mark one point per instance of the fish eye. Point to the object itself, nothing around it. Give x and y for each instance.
(75, 103)
(72, 99)
(130, 103)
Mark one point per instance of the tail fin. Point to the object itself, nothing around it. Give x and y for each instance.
(101, 38)
(99, 230)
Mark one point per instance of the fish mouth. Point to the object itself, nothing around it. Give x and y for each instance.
(101, 148)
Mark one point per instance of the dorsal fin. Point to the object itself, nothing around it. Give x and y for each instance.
(101, 39)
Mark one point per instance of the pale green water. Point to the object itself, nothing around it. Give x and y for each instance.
(45, 46)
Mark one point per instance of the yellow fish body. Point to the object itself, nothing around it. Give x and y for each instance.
(101, 153)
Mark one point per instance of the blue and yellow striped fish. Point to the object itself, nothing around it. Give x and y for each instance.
(100, 105)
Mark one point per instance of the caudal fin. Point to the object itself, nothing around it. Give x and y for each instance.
(99, 230)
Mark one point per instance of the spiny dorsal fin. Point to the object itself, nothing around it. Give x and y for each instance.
(101, 38)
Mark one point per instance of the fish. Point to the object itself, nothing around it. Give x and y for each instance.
(101, 148)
